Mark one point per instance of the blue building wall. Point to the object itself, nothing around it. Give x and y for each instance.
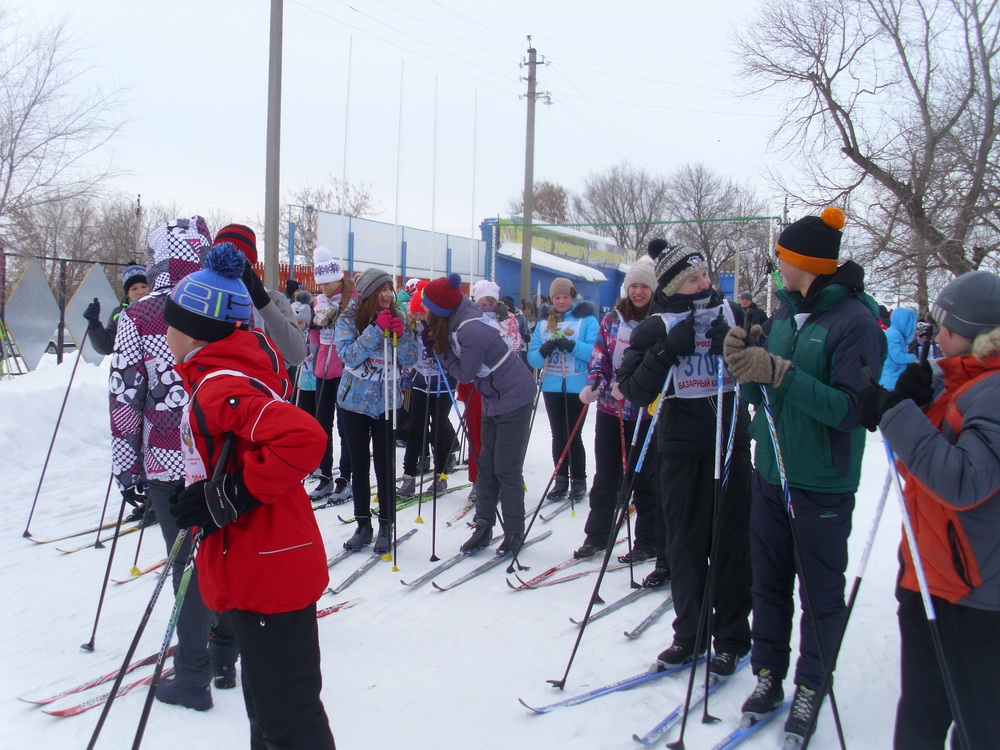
(508, 276)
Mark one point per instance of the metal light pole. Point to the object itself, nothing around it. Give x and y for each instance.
(272, 176)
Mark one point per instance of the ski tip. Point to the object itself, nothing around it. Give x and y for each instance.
(436, 586)
(530, 708)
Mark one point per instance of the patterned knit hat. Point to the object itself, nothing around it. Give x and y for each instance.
(812, 243)
(674, 264)
(485, 288)
(210, 304)
(370, 281)
(560, 285)
(641, 272)
(133, 274)
(243, 237)
(325, 268)
(443, 295)
(410, 287)
(969, 304)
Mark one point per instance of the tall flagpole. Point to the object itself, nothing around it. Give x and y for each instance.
(398, 250)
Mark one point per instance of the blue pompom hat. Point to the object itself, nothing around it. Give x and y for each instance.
(210, 304)
(443, 295)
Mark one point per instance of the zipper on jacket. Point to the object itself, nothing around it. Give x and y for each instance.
(957, 558)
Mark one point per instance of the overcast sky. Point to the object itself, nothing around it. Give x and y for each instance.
(647, 81)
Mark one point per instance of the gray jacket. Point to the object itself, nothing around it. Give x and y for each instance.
(500, 376)
(955, 500)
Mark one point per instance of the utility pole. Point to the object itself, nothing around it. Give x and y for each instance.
(272, 174)
(140, 257)
(529, 177)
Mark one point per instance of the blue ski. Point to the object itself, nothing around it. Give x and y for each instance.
(677, 714)
(614, 687)
(734, 738)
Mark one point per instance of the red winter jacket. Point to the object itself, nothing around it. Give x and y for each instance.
(270, 559)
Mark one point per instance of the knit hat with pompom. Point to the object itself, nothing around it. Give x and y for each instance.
(674, 264)
(210, 304)
(812, 243)
(443, 295)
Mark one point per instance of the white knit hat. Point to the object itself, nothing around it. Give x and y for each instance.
(641, 272)
(485, 288)
(325, 268)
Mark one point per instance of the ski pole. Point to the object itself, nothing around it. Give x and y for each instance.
(98, 544)
(437, 442)
(705, 616)
(143, 621)
(45, 466)
(622, 511)
(569, 441)
(423, 450)
(628, 521)
(142, 532)
(806, 590)
(161, 657)
(925, 594)
(828, 675)
(555, 472)
(392, 452)
(89, 645)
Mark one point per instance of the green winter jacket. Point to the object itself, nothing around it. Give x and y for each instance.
(825, 335)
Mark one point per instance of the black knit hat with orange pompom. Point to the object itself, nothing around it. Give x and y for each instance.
(813, 242)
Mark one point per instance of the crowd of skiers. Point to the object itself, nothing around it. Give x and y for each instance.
(206, 362)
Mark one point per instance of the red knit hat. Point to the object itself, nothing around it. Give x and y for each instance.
(443, 295)
(242, 236)
(417, 300)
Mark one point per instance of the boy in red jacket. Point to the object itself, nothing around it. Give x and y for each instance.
(261, 556)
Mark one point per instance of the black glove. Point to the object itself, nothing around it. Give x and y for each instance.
(212, 503)
(873, 402)
(93, 314)
(502, 312)
(564, 344)
(547, 348)
(680, 339)
(134, 496)
(916, 382)
(717, 335)
(257, 291)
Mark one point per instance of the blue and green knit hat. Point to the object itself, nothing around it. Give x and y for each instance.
(210, 304)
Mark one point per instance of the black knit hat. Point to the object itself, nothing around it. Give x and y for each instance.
(813, 242)
(673, 264)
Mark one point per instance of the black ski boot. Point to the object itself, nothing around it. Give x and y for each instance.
(559, 489)
(578, 489)
(511, 543)
(362, 536)
(675, 656)
(480, 539)
(766, 697)
(224, 676)
(803, 704)
(587, 549)
(657, 578)
(384, 539)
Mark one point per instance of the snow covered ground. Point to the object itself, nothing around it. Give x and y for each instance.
(416, 668)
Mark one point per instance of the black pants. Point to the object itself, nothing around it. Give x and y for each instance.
(563, 410)
(971, 640)
(823, 524)
(326, 408)
(203, 637)
(428, 410)
(687, 490)
(366, 441)
(282, 680)
(650, 532)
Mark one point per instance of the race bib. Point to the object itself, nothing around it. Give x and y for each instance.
(622, 343)
(697, 376)
(559, 363)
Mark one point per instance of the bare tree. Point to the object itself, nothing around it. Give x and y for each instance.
(906, 92)
(622, 203)
(50, 126)
(551, 203)
(337, 197)
(712, 212)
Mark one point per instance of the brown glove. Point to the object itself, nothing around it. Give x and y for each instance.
(754, 364)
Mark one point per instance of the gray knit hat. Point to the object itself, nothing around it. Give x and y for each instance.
(969, 304)
(369, 282)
